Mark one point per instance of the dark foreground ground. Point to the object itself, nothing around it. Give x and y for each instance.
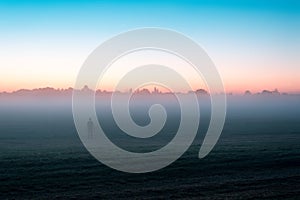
(257, 157)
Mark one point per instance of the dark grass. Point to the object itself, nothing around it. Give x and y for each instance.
(257, 157)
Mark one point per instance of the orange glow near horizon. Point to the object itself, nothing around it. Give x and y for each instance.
(232, 83)
(229, 88)
(239, 73)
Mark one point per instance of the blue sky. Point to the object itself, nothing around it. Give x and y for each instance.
(114, 16)
(254, 41)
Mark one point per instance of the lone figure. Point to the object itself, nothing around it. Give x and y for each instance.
(90, 127)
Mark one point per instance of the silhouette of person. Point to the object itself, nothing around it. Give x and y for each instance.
(90, 127)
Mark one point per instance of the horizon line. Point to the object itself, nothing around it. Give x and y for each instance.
(143, 90)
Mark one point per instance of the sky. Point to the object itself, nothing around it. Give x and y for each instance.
(255, 44)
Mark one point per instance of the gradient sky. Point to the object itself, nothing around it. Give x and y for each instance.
(254, 44)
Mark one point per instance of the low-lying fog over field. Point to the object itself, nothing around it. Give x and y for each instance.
(257, 155)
